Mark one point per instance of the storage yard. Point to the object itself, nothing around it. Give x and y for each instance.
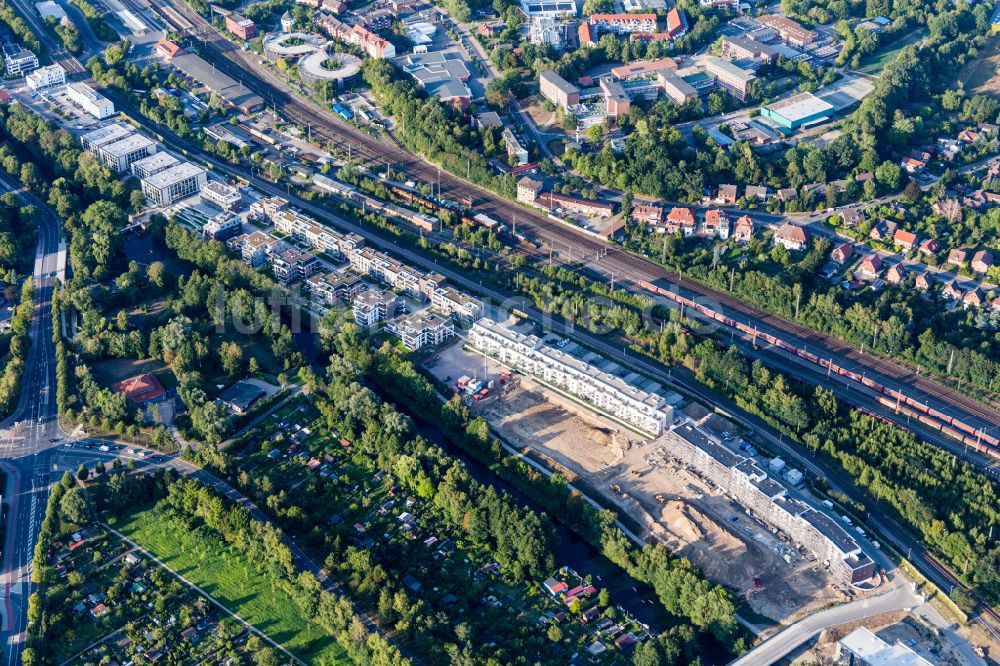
(670, 503)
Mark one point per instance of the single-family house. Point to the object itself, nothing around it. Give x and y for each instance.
(758, 192)
(716, 223)
(883, 231)
(792, 237)
(923, 281)
(982, 261)
(841, 253)
(930, 246)
(896, 274)
(904, 239)
(871, 265)
(852, 216)
(958, 256)
(682, 220)
(787, 194)
(973, 298)
(647, 214)
(951, 290)
(912, 165)
(744, 229)
(726, 195)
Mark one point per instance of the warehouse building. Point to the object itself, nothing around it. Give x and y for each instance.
(770, 501)
(155, 163)
(121, 154)
(558, 90)
(177, 182)
(798, 111)
(90, 101)
(616, 396)
(235, 93)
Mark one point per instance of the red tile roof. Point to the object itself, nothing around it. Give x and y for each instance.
(141, 388)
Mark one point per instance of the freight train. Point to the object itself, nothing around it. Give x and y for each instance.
(901, 403)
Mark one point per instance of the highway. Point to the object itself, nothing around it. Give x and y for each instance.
(601, 260)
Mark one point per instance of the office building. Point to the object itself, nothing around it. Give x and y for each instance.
(18, 61)
(242, 27)
(745, 48)
(121, 154)
(863, 648)
(155, 163)
(46, 77)
(421, 330)
(90, 101)
(798, 111)
(730, 77)
(770, 501)
(616, 396)
(177, 182)
(374, 306)
(222, 196)
(94, 139)
(558, 90)
(461, 306)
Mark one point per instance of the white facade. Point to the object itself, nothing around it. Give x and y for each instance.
(422, 330)
(450, 301)
(122, 154)
(375, 305)
(166, 187)
(46, 77)
(90, 101)
(608, 393)
(18, 61)
(155, 163)
(221, 195)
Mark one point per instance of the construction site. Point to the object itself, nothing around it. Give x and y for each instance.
(639, 477)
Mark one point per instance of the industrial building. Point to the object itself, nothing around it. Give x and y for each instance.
(18, 61)
(235, 93)
(121, 154)
(423, 329)
(770, 501)
(374, 306)
(45, 77)
(155, 163)
(798, 111)
(620, 397)
(558, 90)
(90, 101)
(439, 75)
(177, 182)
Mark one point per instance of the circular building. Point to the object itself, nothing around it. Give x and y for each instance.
(325, 65)
(291, 46)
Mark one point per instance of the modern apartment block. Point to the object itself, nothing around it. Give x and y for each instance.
(46, 77)
(558, 90)
(423, 329)
(770, 501)
(255, 248)
(375, 305)
(291, 264)
(223, 227)
(333, 287)
(307, 230)
(18, 61)
(121, 154)
(90, 101)
(222, 196)
(608, 393)
(155, 163)
(623, 24)
(178, 182)
(451, 301)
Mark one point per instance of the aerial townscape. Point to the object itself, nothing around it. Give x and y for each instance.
(499, 332)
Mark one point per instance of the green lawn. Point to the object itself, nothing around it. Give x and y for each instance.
(877, 62)
(202, 558)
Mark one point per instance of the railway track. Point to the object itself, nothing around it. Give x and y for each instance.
(598, 257)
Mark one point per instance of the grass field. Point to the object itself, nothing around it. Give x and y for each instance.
(982, 75)
(202, 558)
(109, 371)
(876, 63)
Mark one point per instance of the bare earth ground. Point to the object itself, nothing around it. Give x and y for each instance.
(982, 75)
(692, 521)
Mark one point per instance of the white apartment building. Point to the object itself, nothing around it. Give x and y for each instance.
(770, 501)
(421, 330)
(451, 301)
(291, 264)
(155, 163)
(608, 393)
(46, 77)
(121, 154)
(333, 288)
(90, 101)
(223, 226)
(307, 230)
(255, 248)
(18, 61)
(221, 195)
(178, 182)
(375, 305)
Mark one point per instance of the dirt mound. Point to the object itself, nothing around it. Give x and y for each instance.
(675, 516)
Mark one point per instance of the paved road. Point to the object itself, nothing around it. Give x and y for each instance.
(901, 596)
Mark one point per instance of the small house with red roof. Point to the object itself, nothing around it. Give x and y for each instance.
(142, 390)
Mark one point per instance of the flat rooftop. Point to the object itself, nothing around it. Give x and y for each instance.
(107, 134)
(129, 144)
(174, 175)
(826, 526)
(558, 81)
(798, 107)
(197, 68)
(876, 652)
(156, 162)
